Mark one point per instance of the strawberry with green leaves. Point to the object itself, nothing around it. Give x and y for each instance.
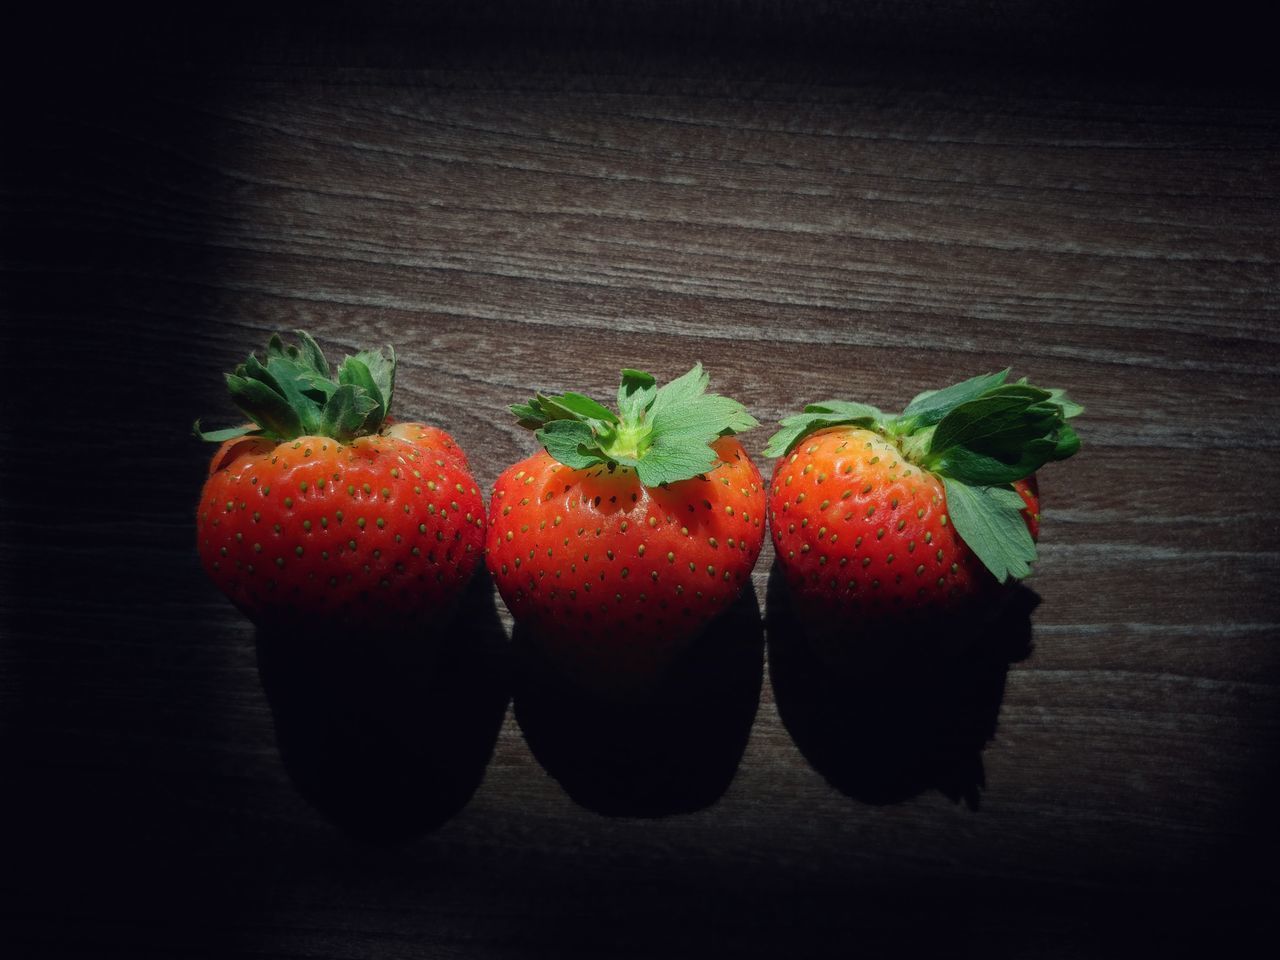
(881, 520)
(322, 513)
(628, 532)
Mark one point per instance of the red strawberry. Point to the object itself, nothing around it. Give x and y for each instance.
(619, 542)
(883, 520)
(325, 514)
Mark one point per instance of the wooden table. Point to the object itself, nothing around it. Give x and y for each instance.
(515, 218)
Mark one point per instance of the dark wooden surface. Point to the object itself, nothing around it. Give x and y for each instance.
(1101, 780)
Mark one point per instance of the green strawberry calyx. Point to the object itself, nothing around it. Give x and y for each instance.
(292, 392)
(979, 437)
(662, 432)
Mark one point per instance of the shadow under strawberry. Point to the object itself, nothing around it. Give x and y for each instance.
(901, 715)
(675, 752)
(389, 737)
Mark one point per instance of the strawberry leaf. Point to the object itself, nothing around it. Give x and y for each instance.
(1068, 442)
(989, 520)
(818, 416)
(346, 411)
(528, 415)
(355, 372)
(663, 432)
(636, 394)
(581, 406)
(971, 467)
(1005, 434)
(293, 392)
(1003, 418)
(574, 406)
(312, 355)
(382, 370)
(1069, 407)
(317, 386)
(572, 442)
(672, 459)
(265, 407)
(566, 406)
(221, 436)
(932, 406)
(286, 374)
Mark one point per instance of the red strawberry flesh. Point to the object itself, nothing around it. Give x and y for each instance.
(619, 573)
(383, 531)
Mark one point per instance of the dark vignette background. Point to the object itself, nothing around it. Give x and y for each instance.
(146, 807)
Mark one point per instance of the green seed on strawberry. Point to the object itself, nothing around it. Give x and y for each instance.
(322, 513)
(629, 532)
(882, 520)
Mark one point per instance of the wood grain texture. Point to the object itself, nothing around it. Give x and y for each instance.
(859, 233)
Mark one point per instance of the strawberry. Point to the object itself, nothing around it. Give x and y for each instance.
(881, 520)
(322, 513)
(618, 542)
